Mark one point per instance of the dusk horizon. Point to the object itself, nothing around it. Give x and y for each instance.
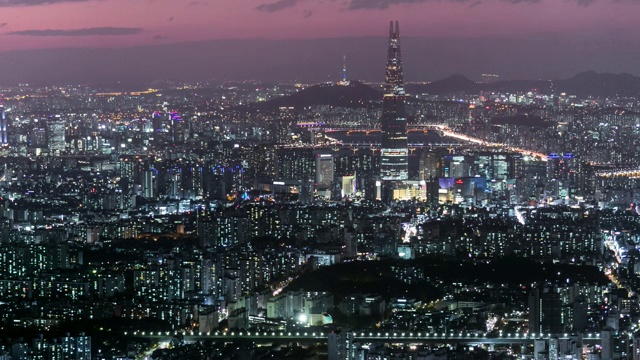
(527, 39)
(320, 59)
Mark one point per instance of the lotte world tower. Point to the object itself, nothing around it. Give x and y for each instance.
(394, 154)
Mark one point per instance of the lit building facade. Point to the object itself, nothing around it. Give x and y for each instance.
(3, 127)
(324, 171)
(394, 164)
(56, 134)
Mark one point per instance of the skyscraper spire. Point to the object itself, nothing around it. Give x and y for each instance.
(394, 164)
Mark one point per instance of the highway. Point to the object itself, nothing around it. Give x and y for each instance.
(399, 337)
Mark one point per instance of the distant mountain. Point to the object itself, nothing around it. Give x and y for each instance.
(452, 84)
(356, 94)
(590, 83)
(584, 84)
(520, 86)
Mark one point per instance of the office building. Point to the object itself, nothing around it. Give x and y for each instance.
(324, 171)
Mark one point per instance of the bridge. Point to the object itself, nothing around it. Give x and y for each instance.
(619, 173)
(368, 130)
(362, 336)
(410, 145)
(442, 130)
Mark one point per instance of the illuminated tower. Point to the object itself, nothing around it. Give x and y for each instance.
(344, 81)
(3, 127)
(344, 68)
(394, 154)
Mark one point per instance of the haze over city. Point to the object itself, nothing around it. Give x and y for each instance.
(302, 40)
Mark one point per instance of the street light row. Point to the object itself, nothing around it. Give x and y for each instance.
(362, 335)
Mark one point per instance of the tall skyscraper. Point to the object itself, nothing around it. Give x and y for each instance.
(324, 171)
(3, 127)
(56, 134)
(149, 183)
(394, 164)
(545, 311)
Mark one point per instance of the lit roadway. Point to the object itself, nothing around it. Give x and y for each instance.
(446, 131)
(628, 173)
(320, 337)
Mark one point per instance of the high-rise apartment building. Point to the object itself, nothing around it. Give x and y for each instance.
(545, 311)
(56, 134)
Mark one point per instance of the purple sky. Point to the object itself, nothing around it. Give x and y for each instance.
(55, 41)
(33, 24)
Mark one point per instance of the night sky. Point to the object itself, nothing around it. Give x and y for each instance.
(602, 35)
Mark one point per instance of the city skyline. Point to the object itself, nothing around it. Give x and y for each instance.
(339, 204)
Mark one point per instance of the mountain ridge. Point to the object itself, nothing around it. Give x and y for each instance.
(583, 84)
(357, 94)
